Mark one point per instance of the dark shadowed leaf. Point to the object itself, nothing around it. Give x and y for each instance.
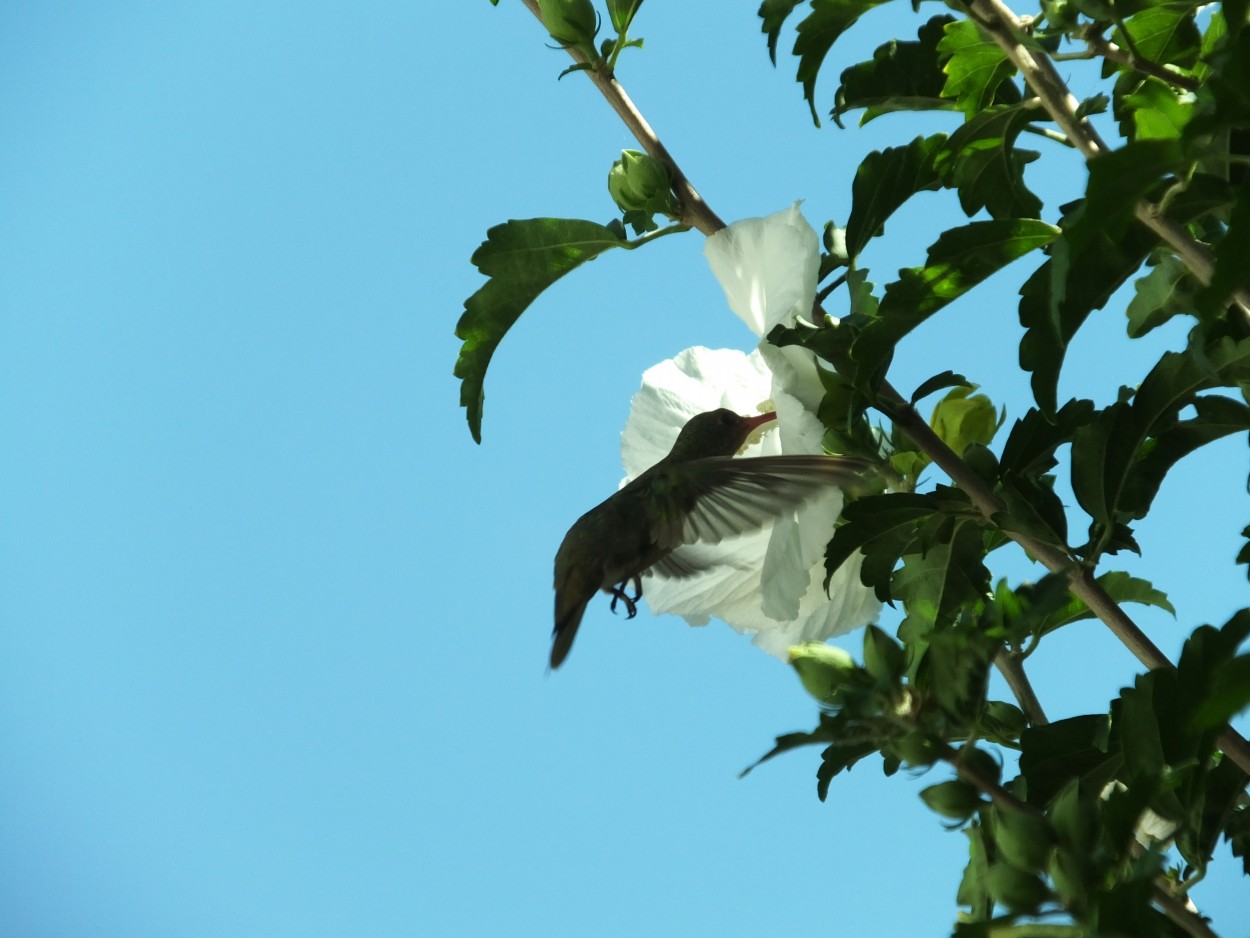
(981, 161)
(884, 181)
(827, 21)
(900, 76)
(521, 258)
(959, 260)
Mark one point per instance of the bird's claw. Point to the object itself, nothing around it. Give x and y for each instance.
(631, 602)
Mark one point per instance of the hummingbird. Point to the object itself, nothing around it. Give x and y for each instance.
(697, 493)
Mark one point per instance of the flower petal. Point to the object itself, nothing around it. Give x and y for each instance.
(767, 267)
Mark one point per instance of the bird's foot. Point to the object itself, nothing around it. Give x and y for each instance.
(631, 602)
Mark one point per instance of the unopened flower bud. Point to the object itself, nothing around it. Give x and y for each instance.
(571, 22)
(640, 183)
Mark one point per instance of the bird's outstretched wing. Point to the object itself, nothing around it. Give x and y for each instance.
(705, 501)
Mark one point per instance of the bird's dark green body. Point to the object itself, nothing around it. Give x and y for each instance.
(697, 493)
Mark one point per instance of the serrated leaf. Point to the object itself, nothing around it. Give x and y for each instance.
(959, 260)
(884, 181)
(975, 66)
(900, 76)
(522, 258)
(828, 20)
(1216, 417)
(774, 13)
(1031, 444)
(1167, 291)
(882, 527)
(981, 161)
(1051, 754)
(1115, 474)
(1219, 670)
(1060, 295)
(936, 583)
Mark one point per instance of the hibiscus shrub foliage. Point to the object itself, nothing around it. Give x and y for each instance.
(1112, 815)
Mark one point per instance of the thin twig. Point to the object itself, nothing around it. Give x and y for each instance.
(1100, 45)
(1011, 667)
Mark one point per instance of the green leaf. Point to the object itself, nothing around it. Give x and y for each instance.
(1216, 417)
(522, 258)
(946, 379)
(1051, 754)
(1031, 444)
(935, 584)
(1167, 291)
(1158, 111)
(774, 13)
(1227, 678)
(1243, 555)
(1115, 474)
(883, 527)
(975, 67)
(954, 799)
(1056, 300)
(900, 76)
(959, 260)
(1230, 254)
(622, 13)
(828, 20)
(884, 181)
(1165, 34)
(981, 161)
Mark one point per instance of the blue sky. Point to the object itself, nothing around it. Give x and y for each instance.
(275, 629)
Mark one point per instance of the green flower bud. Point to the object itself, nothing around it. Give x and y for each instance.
(1024, 839)
(570, 22)
(640, 183)
(823, 669)
(1015, 889)
(955, 799)
(883, 656)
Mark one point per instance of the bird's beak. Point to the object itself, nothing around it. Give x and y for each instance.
(753, 422)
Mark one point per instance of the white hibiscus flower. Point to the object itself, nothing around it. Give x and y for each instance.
(768, 583)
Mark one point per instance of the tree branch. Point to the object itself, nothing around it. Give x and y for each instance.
(1038, 71)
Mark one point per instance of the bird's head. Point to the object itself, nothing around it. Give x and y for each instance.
(715, 433)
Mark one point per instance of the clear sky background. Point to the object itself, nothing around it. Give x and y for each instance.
(273, 629)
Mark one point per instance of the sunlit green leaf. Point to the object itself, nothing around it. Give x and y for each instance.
(975, 67)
